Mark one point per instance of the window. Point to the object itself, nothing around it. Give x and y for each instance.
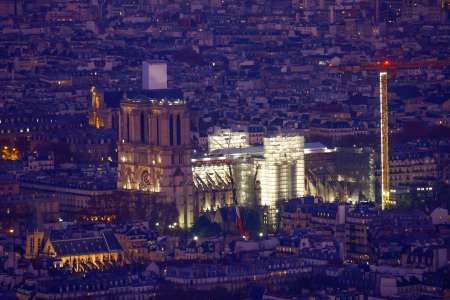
(157, 130)
(178, 130)
(142, 127)
(171, 129)
(128, 127)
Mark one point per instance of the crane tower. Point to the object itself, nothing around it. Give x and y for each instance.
(382, 68)
(384, 130)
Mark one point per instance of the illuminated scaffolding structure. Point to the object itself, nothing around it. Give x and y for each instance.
(283, 172)
(259, 175)
(226, 138)
(245, 173)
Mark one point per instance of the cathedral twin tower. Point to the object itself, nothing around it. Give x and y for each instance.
(155, 143)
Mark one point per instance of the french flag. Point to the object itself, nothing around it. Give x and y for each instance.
(239, 223)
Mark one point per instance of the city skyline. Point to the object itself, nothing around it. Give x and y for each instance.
(224, 149)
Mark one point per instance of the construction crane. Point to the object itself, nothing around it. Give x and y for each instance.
(382, 67)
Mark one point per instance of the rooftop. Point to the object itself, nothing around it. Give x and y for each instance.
(160, 96)
(309, 148)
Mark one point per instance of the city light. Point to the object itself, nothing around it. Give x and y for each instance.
(10, 153)
(384, 132)
(291, 149)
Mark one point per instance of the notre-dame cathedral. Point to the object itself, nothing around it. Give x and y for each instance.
(155, 149)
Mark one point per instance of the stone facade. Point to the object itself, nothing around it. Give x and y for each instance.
(155, 150)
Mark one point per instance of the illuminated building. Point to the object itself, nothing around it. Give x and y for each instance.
(422, 190)
(225, 138)
(357, 232)
(283, 172)
(261, 175)
(33, 244)
(257, 175)
(9, 153)
(104, 110)
(341, 174)
(94, 117)
(212, 182)
(410, 166)
(155, 149)
(85, 253)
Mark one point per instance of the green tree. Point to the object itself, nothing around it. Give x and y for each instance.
(204, 227)
(163, 215)
(251, 219)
